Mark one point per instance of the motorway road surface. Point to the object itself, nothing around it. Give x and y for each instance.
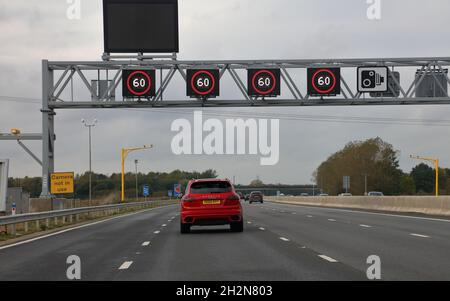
(280, 242)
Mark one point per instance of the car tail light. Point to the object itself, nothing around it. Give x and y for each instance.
(232, 200)
(187, 199)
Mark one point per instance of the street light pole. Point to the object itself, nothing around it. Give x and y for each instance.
(90, 126)
(435, 161)
(137, 185)
(124, 154)
(365, 184)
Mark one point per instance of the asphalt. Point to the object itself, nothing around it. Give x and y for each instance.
(280, 242)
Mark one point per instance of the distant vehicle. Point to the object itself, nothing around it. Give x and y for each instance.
(375, 193)
(304, 194)
(323, 194)
(211, 202)
(241, 195)
(346, 194)
(255, 197)
(246, 197)
(282, 194)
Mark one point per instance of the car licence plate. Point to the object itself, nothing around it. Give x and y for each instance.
(212, 202)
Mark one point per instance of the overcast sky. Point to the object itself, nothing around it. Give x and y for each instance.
(32, 30)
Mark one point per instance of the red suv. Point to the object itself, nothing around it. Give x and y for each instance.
(211, 202)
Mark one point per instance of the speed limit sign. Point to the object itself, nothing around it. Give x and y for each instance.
(264, 82)
(203, 83)
(138, 83)
(324, 81)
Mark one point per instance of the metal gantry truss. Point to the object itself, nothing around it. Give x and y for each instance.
(67, 71)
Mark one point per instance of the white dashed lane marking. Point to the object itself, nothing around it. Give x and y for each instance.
(419, 235)
(331, 220)
(157, 232)
(125, 265)
(262, 229)
(310, 216)
(365, 226)
(164, 225)
(284, 239)
(145, 244)
(327, 258)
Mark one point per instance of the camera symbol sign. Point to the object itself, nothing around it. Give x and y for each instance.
(373, 79)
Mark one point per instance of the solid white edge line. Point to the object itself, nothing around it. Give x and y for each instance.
(366, 212)
(77, 227)
(327, 258)
(419, 235)
(125, 265)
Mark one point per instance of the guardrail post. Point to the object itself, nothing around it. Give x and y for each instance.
(77, 217)
(56, 221)
(37, 225)
(71, 218)
(47, 223)
(25, 227)
(63, 220)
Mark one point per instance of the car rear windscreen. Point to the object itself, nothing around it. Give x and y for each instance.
(210, 187)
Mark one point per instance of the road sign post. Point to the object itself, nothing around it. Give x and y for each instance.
(146, 191)
(177, 190)
(3, 183)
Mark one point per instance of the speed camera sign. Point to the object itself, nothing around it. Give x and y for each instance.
(264, 82)
(203, 83)
(373, 79)
(138, 83)
(324, 81)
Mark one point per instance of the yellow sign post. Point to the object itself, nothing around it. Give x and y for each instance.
(62, 183)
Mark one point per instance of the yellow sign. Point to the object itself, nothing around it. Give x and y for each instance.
(62, 183)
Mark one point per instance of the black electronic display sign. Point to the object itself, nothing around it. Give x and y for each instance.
(324, 81)
(132, 26)
(138, 83)
(203, 83)
(264, 82)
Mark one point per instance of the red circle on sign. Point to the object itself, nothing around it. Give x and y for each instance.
(314, 81)
(210, 75)
(149, 80)
(274, 80)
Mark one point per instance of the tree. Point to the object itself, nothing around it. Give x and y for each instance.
(256, 183)
(407, 185)
(424, 178)
(374, 158)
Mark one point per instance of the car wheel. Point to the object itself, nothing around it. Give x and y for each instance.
(237, 227)
(262, 202)
(185, 228)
